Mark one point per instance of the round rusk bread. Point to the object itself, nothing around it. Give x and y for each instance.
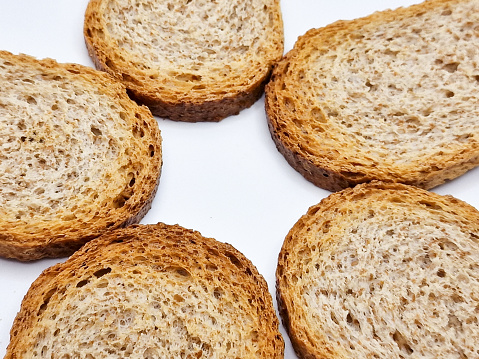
(78, 157)
(382, 271)
(391, 97)
(187, 60)
(149, 291)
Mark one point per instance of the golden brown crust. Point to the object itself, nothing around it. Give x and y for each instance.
(212, 111)
(304, 126)
(323, 233)
(196, 97)
(34, 238)
(156, 250)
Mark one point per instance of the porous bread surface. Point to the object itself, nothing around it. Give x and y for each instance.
(182, 56)
(77, 156)
(151, 291)
(391, 97)
(382, 271)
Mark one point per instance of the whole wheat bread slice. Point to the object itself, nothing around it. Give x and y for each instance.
(149, 291)
(382, 271)
(77, 157)
(392, 96)
(195, 60)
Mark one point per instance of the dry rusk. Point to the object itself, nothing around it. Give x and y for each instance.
(187, 60)
(382, 271)
(79, 158)
(392, 97)
(149, 291)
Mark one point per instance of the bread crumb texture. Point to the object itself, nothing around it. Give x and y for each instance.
(77, 155)
(391, 97)
(176, 54)
(383, 271)
(152, 291)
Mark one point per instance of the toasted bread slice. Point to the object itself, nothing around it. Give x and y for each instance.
(149, 291)
(194, 60)
(78, 157)
(390, 97)
(382, 271)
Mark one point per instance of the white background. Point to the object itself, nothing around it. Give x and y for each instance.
(226, 180)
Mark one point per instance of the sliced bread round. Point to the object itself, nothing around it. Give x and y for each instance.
(77, 158)
(149, 291)
(382, 271)
(188, 60)
(392, 97)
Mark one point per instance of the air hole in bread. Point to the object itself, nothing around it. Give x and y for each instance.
(441, 273)
(178, 298)
(431, 205)
(318, 115)
(211, 267)
(54, 107)
(451, 67)
(82, 283)
(188, 77)
(449, 93)
(151, 148)
(299, 124)
(182, 272)
(123, 116)
(402, 343)
(445, 244)
(150, 353)
(132, 182)
(371, 86)
(96, 131)
(294, 279)
(288, 103)
(138, 132)
(31, 100)
(120, 200)
(234, 259)
(69, 217)
(333, 318)
(356, 36)
(352, 321)
(101, 272)
(353, 175)
(46, 300)
(333, 113)
(73, 71)
(39, 191)
(102, 284)
(218, 292)
(213, 252)
(306, 252)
